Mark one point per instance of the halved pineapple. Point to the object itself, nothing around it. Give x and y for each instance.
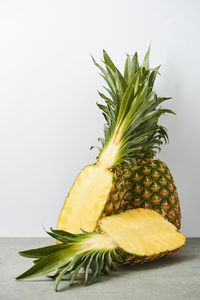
(131, 237)
(126, 175)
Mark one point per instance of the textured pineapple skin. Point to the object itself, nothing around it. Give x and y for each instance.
(148, 184)
(130, 259)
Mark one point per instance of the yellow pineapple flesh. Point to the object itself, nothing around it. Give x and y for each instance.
(142, 232)
(86, 200)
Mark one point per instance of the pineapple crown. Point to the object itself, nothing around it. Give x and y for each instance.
(131, 111)
(70, 257)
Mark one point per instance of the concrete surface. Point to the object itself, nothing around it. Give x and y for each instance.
(174, 277)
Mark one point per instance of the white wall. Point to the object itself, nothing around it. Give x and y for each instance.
(48, 115)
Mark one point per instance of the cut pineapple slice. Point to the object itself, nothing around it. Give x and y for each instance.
(86, 200)
(142, 232)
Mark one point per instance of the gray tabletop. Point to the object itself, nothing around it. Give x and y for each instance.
(173, 277)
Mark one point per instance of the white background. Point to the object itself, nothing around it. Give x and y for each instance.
(48, 83)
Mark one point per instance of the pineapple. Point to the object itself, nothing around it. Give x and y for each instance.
(124, 208)
(133, 236)
(126, 174)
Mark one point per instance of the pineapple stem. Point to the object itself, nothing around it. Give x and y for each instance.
(109, 155)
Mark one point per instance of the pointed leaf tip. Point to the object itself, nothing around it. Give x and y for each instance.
(146, 58)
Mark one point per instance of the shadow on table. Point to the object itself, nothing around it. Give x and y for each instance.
(159, 264)
(175, 259)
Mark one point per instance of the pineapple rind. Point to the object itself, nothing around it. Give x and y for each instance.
(149, 184)
(131, 259)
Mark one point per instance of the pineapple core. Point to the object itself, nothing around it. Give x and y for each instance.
(86, 200)
(142, 232)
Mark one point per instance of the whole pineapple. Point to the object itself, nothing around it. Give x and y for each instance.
(126, 174)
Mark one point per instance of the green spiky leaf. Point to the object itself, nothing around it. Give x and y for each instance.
(131, 109)
(69, 258)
